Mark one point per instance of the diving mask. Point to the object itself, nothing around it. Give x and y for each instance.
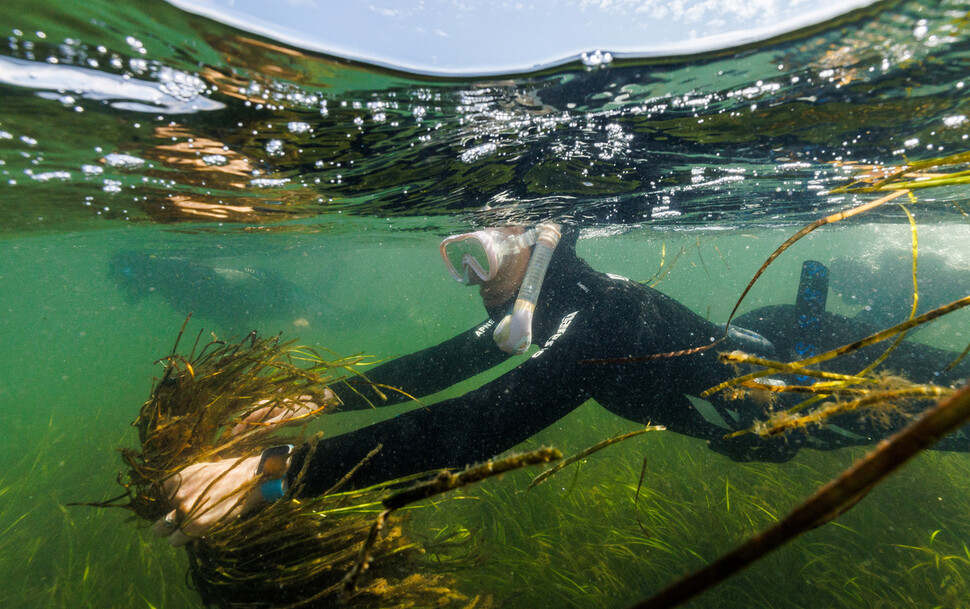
(477, 257)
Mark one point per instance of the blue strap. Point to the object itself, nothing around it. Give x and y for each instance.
(273, 490)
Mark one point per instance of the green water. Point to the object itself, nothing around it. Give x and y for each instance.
(356, 227)
(78, 362)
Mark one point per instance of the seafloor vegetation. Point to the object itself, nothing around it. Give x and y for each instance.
(580, 540)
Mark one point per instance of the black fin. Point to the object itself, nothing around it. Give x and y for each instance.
(813, 288)
(813, 291)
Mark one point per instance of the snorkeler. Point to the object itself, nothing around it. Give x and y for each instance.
(233, 299)
(536, 290)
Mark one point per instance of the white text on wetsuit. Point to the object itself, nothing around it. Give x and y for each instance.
(568, 319)
(484, 327)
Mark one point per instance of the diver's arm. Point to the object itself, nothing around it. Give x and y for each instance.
(455, 432)
(459, 431)
(427, 371)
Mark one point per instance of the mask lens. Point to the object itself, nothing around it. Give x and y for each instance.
(468, 255)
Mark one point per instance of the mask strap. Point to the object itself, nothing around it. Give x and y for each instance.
(514, 333)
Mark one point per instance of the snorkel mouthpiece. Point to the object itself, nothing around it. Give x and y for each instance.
(514, 333)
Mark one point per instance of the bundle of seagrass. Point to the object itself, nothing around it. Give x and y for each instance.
(339, 547)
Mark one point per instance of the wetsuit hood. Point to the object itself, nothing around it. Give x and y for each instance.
(563, 259)
(565, 256)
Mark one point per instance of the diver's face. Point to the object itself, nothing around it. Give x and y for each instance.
(506, 283)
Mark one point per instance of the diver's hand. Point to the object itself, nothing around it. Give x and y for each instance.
(289, 412)
(205, 493)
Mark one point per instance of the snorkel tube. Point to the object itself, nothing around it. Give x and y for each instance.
(514, 333)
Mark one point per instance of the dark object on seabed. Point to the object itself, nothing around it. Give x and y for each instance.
(232, 299)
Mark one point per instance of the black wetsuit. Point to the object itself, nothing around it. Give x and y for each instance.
(583, 314)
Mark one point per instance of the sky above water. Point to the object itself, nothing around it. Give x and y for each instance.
(498, 36)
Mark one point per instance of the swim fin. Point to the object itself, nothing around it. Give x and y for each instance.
(813, 288)
(813, 291)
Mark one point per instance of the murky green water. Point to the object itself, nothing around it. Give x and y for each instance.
(134, 127)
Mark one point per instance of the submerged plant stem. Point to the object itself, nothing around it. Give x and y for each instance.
(442, 483)
(592, 449)
(830, 500)
(859, 344)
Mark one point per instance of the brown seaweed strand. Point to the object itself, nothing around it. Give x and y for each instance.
(349, 582)
(336, 487)
(313, 443)
(653, 356)
(912, 313)
(781, 424)
(859, 344)
(740, 357)
(445, 481)
(836, 217)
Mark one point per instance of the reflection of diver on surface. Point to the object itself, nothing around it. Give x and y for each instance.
(884, 287)
(231, 298)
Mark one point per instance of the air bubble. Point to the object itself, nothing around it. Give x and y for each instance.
(123, 161)
(596, 59)
(215, 159)
(275, 148)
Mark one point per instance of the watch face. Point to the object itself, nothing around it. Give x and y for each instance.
(273, 463)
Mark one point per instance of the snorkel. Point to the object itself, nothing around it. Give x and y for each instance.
(514, 333)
